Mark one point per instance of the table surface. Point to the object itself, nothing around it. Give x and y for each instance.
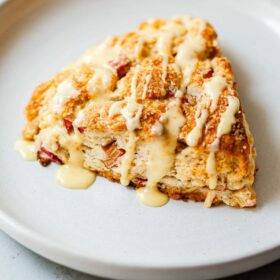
(17, 263)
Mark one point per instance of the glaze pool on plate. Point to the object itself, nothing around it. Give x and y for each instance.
(103, 230)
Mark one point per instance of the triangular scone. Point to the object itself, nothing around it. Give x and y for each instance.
(155, 108)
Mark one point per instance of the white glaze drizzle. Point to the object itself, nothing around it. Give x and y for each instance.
(161, 156)
(146, 86)
(101, 81)
(189, 50)
(209, 198)
(195, 134)
(132, 113)
(116, 108)
(79, 118)
(214, 146)
(127, 159)
(187, 55)
(164, 44)
(224, 127)
(174, 28)
(211, 170)
(73, 175)
(65, 92)
(101, 54)
(228, 117)
(179, 94)
(27, 149)
(213, 89)
(50, 137)
(157, 129)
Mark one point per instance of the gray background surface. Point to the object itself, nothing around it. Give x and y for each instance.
(18, 263)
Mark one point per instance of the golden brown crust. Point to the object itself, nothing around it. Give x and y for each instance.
(38, 97)
(199, 197)
(137, 63)
(33, 107)
(185, 196)
(177, 193)
(113, 177)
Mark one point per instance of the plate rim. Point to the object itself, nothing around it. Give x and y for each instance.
(100, 267)
(54, 251)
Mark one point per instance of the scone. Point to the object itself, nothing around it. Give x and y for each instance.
(156, 109)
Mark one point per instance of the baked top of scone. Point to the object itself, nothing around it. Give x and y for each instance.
(157, 108)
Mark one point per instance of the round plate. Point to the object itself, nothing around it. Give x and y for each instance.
(104, 230)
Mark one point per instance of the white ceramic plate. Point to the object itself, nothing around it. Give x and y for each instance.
(104, 230)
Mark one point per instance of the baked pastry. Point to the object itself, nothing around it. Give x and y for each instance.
(156, 109)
